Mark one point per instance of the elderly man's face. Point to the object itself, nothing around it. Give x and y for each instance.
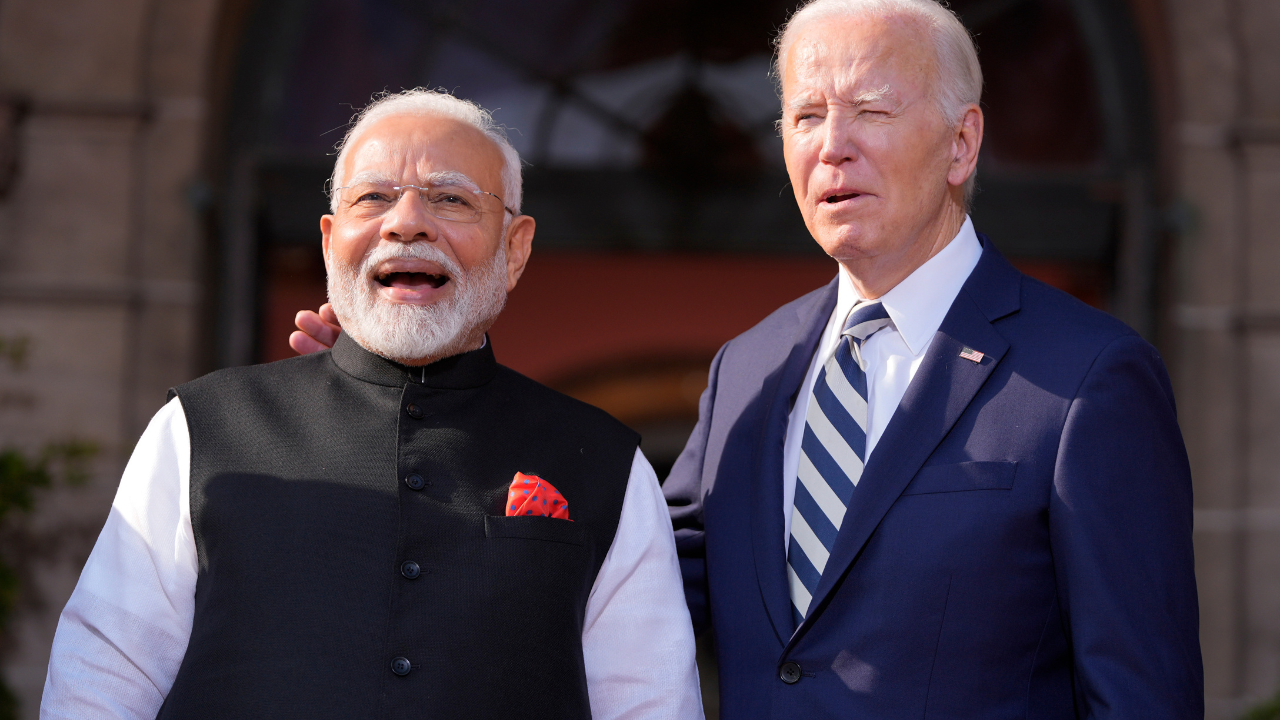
(871, 159)
(407, 284)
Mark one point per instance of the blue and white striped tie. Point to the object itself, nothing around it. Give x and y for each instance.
(831, 455)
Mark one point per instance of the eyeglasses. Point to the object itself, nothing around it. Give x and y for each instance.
(456, 203)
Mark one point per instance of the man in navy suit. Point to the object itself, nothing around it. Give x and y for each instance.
(934, 488)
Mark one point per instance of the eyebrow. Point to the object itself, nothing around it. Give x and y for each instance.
(871, 96)
(451, 177)
(863, 98)
(801, 102)
(444, 177)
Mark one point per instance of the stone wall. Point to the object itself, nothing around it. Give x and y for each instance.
(1227, 315)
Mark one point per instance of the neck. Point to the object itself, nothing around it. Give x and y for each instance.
(873, 276)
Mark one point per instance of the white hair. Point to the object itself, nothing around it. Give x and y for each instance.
(420, 101)
(960, 76)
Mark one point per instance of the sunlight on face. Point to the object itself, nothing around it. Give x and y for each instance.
(866, 148)
(405, 282)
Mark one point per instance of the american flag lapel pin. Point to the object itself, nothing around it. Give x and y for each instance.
(971, 355)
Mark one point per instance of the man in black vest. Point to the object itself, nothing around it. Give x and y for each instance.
(398, 527)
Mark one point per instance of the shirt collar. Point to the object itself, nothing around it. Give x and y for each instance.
(918, 304)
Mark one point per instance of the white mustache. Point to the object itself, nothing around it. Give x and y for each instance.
(418, 251)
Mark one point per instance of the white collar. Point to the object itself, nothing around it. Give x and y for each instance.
(918, 304)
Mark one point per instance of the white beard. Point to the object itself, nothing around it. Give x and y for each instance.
(411, 334)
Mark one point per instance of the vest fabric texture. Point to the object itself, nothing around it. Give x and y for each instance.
(355, 559)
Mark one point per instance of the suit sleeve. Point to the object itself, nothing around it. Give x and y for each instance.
(1120, 526)
(683, 491)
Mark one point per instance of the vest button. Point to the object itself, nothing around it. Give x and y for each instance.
(401, 666)
(789, 672)
(410, 569)
(415, 481)
(414, 411)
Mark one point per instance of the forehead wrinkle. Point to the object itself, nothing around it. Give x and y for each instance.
(818, 77)
(844, 70)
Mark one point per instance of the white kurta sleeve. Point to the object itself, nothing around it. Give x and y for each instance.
(123, 633)
(637, 640)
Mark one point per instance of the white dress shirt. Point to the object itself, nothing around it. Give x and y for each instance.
(125, 629)
(916, 306)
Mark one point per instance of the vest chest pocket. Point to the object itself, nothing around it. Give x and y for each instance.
(535, 528)
(543, 562)
(959, 477)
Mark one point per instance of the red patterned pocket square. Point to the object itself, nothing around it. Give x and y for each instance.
(531, 495)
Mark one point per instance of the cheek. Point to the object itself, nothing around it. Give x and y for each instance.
(350, 242)
(801, 155)
(473, 247)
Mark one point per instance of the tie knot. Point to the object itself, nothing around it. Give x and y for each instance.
(865, 319)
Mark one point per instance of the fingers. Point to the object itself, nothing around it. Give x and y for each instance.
(328, 315)
(317, 328)
(303, 343)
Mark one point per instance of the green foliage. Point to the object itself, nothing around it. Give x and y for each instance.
(1269, 710)
(20, 479)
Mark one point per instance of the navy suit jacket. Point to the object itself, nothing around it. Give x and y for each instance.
(1019, 544)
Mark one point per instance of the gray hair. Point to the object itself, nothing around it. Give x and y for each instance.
(420, 101)
(960, 76)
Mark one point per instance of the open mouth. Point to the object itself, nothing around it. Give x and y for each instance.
(411, 280)
(833, 199)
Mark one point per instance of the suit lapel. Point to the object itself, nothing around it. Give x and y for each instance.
(778, 394)
(943, 387)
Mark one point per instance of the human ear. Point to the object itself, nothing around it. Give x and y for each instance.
(326, 232)
(519, 240)
(965, 146)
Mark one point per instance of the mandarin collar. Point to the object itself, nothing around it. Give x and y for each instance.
(468, 370)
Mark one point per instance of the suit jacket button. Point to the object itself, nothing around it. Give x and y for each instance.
(414, 481)
(410, 569)
(414, 411)
(790, 673)
(401, 666)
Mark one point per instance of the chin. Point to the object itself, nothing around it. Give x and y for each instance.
(849, 241)
(416, 334)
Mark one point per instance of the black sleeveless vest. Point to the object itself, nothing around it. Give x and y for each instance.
(355, 559)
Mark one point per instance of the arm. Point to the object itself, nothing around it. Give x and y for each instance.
(1120, 527)
(683, 491)
(636, 640)
(123, 633)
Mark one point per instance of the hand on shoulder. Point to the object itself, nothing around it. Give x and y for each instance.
(316, 330)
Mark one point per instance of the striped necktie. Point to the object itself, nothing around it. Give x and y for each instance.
(831, 455)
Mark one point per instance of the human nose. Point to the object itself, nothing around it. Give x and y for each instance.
(838, 142)
(408, 220)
